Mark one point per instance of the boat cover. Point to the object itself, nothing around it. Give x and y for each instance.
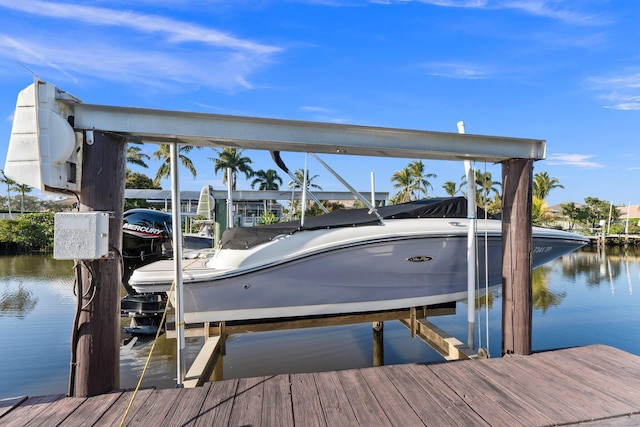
(248, 237)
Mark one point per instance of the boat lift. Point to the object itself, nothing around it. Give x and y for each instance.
(51, 128)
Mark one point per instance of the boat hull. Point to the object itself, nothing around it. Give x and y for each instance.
(382, 273)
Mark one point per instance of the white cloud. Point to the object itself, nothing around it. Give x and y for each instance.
(577, 160)
(621, 91)
(171, 29)
(179, 52)
(457, 70)
(314, 109)
(561, 10)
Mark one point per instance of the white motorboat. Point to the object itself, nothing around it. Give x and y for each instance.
(347, 261)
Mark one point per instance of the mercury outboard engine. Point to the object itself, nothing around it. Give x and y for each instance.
(146, 238)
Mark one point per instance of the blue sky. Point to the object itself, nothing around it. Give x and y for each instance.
(560, 70)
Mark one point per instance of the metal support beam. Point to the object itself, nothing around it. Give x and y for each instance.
(215, 130)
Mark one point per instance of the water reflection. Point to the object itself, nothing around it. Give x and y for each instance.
(17, 303)
(596, 267)
(42, 266)
(544, 298)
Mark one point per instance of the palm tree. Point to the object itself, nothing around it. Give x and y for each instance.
(22, 189)
(420, 184)
(485, 185)
(295, 185)
(543, 184)
(266, 180)
(299, 174)
(540, 213)
(164, 154)
(231, 158)
(451, 188)
(4, 179)
(404, 181)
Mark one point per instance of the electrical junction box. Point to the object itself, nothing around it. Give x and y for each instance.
(81, 235)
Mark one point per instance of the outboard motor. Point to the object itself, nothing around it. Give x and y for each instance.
(146, 237)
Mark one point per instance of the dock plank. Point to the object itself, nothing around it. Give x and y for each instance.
(581, 401)
(621, 421)
(431, 399)
(569, 386)
(362, 399)
(390, 400)
(523, 387)
(494, 403)
(306, 401)
(113, 415)
(29, 409)
(91, 410)
(277, 407)
(247, 406)
(155, 408)
(609, 369)
(186, 407)
(56, 412)
(333, 400)
(6, 405)
(216, 409)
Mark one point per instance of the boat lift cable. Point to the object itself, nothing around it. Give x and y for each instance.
(483, 352)
(276, 158)
(372, 209)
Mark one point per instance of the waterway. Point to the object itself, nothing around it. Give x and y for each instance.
(587, 297)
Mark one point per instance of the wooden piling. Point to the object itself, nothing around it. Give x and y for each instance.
(378, 343)
(516, 256)
(97, 352)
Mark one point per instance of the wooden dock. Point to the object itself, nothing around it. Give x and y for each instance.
(593, 385)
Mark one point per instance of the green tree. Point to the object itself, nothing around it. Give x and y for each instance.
(589, 215)
(485, 186)
(232, 158)
(31, 232)
(266, 180)
(164, 155)
(23, 189)
(137, 180)
(141, 181)
(540, 214)
(419, 178)
(543, 184)
(598, 210)
(451, 188)
(4, 179)
(296, 186)
(299, 174)
(135, 156)
(573, 214)
(403, 180)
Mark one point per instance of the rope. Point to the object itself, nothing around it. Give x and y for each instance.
(146, 365)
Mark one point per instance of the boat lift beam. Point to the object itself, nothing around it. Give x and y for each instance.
(215, 130)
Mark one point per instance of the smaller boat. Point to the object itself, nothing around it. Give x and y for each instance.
(346, 261)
